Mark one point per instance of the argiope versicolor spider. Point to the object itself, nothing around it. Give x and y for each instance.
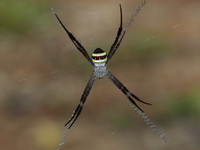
(99, 61)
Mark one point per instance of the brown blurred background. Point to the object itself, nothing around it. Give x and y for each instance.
(42, 75)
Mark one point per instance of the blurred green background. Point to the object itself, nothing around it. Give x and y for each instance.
(42, 75)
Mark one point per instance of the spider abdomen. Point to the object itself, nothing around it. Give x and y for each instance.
(99, 57)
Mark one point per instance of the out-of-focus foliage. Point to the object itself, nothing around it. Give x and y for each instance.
(19, 17)
(185, 105)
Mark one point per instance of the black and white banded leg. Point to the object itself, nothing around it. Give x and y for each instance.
(129, 95)
(79, 108)
(74, 40)
(118, 39)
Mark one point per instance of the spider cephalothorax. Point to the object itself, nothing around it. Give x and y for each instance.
(98, 61)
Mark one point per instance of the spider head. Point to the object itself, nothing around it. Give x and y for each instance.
(99, 57)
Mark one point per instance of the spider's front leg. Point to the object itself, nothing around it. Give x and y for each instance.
(129, 95)
(74, 40)
(79, 108)
(118, 38)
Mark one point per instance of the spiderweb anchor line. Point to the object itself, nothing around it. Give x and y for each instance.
(63, 139)
(139, 112)
(134, 14)
(154, 127)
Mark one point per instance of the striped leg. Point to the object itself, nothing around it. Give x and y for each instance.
(79, 108)
(74, 40)
(129, 95)
(118, 39)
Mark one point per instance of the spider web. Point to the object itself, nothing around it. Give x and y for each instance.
(63, 139)
(134, 14)
(151, 124)
(154, 127)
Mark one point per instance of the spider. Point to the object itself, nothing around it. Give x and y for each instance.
(99, 60)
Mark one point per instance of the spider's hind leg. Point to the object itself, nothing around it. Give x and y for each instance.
(79, 108)
(129, 95)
